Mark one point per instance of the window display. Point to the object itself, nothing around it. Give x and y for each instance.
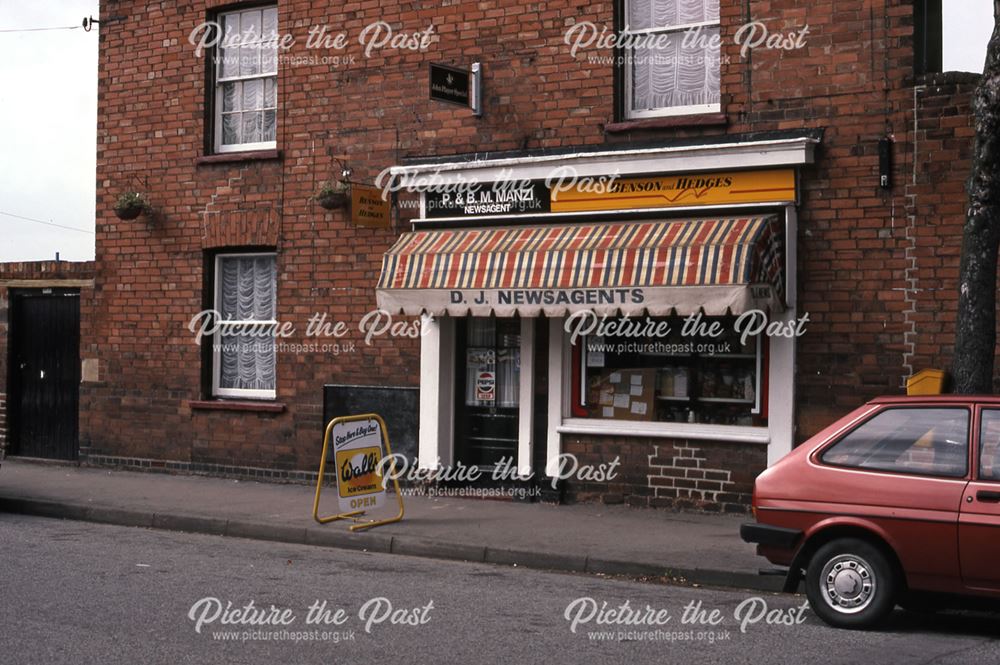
(666, 376)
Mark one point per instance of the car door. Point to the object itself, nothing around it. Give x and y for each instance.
(904, 470)
(979, 521)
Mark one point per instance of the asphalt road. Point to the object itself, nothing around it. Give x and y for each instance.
(74, 592)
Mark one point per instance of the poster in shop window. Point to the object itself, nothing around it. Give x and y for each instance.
(481, 367)
(486, 384)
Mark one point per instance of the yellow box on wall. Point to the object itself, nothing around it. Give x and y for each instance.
(925, 382)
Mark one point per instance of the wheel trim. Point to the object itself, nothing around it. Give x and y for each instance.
(849, 583)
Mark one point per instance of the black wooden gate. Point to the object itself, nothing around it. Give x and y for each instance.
(44, 373)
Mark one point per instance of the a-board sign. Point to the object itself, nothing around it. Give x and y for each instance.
(356, 447)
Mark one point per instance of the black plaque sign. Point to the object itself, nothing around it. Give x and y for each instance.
(450, 84)
(489, 198)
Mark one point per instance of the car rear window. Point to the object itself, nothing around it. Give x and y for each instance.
(930, 442)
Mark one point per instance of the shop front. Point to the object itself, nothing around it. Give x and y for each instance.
(642, 311)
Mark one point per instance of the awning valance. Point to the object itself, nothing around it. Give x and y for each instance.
(656, 267)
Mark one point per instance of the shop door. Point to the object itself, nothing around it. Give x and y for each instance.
(488, 381)
(45, 373)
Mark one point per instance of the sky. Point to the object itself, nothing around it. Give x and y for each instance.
(966, 32)
(48, 109)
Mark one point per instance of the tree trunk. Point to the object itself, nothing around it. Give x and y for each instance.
(975, 325)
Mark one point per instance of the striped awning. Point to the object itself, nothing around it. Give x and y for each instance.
(656, 267)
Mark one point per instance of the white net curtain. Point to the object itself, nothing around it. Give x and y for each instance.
(247, 295)
(674, 75)
(248, 76)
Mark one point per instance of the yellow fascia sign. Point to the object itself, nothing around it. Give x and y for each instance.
(690, 189)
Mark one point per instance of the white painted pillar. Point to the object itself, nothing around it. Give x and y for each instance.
(526, 409)
(781, 368)
(436, 443)
(557, 398)
(781, 393)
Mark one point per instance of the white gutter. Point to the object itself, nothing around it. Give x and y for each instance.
(750, 154)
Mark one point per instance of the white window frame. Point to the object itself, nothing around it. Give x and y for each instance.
(218, 80)
(217, 390)
(639, 114)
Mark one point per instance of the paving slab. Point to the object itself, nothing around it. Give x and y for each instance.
(692, 547)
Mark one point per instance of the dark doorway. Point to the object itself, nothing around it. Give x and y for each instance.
(487, 386)
(44, 373)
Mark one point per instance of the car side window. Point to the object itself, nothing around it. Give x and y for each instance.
(924, 441)
(989, 445)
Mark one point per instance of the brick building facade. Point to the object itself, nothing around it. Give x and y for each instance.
(874, 267)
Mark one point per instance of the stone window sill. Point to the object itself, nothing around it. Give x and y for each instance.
(235, 157)
(668, 122)
(701, 432)
(236, 405)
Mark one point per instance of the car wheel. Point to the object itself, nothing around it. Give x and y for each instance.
(850, 584)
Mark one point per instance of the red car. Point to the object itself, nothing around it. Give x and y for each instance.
(897, 502)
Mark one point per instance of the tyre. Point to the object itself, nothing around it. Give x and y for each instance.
(851, 584)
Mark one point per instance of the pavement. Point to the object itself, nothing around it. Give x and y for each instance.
(686, 548)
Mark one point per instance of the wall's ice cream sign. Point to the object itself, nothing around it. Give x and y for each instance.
(359, 445)
(358, 450)
(358, 475)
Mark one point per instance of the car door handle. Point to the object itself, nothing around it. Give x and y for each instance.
(984, 495)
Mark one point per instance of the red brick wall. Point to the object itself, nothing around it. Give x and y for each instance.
(666, 473)
(942, 133)
(856, 278)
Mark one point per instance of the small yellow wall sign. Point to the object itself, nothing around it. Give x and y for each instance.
(359, 445)
(368, 208)
(697, 189)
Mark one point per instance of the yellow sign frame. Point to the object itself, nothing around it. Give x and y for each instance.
(683, 189)
(353, 516)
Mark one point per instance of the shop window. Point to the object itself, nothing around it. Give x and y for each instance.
(245, 80)
(648, 370)
(933, 442)
(243, 351)
(670, 55)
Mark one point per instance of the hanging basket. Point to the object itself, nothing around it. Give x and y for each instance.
(333, 195)
(130, 205)
(129, 212)
(332, 200)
